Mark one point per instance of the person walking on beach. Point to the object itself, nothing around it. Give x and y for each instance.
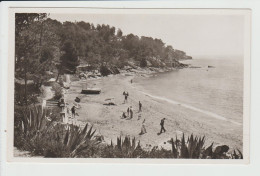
(140, 106)
(73, 111)
(143, 129)
(162, 126)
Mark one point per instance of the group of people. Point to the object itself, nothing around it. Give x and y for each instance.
(130, 115)
(129, 111)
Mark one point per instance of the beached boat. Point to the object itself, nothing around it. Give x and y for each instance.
(91, 91)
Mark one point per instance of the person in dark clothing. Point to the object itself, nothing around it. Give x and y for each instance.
(162, 126)
(128, 111)
(140, 106)
(123, 116)
(131, 112)
(126, 96)
(73, 111)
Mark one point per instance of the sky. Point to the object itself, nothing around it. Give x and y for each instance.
(197, 35)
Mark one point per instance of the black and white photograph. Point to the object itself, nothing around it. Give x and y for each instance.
(136, 84)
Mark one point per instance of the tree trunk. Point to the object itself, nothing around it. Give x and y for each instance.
(58, 77)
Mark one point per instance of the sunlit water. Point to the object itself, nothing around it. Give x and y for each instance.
(216, 92)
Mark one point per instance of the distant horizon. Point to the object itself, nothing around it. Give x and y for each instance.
(212, 35)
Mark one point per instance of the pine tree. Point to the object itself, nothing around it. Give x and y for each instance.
(69, 60)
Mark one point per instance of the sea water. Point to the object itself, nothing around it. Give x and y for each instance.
(216, 91)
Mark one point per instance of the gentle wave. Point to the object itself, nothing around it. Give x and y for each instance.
(192, 108)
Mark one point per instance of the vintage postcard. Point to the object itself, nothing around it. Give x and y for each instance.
(129, 85)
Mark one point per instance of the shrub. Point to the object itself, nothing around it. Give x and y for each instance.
(143, 63)
(104, 70)
(125, 148)
(41, 135)
(37, 131)
(57, 91)
(155, 63)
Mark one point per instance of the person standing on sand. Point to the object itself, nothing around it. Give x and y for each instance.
(128, 111)
(123, 116)
(162, 126)
(73, 111)
(126, 96)
(143, 129)
(131, 112)
(140, 106)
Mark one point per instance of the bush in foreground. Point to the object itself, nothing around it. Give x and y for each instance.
(38, 132)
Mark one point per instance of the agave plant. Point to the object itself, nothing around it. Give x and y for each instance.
(208, 153)
(195, 146)
(192, 148)
(33, 123)
(69, 141)
(42, 136)
(78, 140)
(34, 120)
(237, 156)
(125, 148)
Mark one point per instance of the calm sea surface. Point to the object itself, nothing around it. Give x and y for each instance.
(216, 91)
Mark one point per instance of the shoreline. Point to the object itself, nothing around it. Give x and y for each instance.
(211, 114)
(179, 119)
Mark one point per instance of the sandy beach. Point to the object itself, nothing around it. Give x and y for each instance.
(179, 119)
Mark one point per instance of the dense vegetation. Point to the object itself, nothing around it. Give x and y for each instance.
(39, 132)
(44, 46)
